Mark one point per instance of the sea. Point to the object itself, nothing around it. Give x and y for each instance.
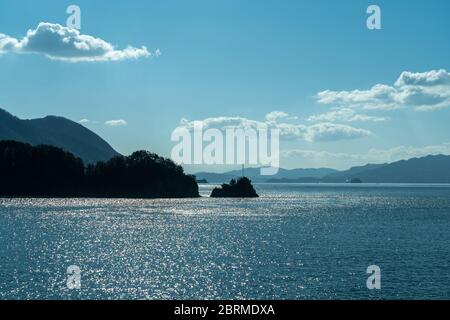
(296, 241)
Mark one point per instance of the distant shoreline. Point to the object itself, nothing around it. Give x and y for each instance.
(324, 184)
(355, 184)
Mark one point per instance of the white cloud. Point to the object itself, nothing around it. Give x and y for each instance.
(430, 78)
(422, 91)
(378, 97)
(275, 115)
(7, 43)
(325, 131)
(116, 123)
(84, 121)
(61, 43)
(344, 114)
(223, 123)
(372, 156)
(332, 131)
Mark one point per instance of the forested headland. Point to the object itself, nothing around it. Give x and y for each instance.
(48, 171)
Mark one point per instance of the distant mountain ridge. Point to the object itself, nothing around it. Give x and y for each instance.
(354, 172)
(255, 175)
(56, 131)
(428, 169)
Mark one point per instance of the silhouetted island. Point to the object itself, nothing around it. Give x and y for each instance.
(47, 171)
(242, 188)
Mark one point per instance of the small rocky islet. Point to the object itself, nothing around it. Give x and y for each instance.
(242, 188)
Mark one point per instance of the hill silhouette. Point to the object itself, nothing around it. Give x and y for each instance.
(59, 132)
(429, 169)
(48, 171)
(346, 175)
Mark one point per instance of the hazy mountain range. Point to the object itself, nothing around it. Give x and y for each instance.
(56, 131)
(429, 169)
(254, 174)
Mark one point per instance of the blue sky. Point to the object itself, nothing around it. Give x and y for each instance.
(244, 60)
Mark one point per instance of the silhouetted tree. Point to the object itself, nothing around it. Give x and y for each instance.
(51, 172)
(38, 171)
(142, 175)
(242, 188)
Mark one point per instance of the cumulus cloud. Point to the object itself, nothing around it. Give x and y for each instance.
(378, 97)
(331, 132)
(116, 123)
(346, 115)
(62, 43)
(372, 156)
(430, 78)
(83, 121)
(422, 91)
(325, 131)
(275, 115)
(7, 43)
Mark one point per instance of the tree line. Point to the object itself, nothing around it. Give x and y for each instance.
(48, 171)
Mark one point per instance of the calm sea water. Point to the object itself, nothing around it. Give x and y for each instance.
(295, 242)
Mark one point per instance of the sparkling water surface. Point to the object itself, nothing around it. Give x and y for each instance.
(297, 241)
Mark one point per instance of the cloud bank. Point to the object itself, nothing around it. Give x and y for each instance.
(346, 115)
(325, 131)
(61, 43)
(422, 91)
(275, 115)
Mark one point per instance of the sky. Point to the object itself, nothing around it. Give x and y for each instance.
(340, 94)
